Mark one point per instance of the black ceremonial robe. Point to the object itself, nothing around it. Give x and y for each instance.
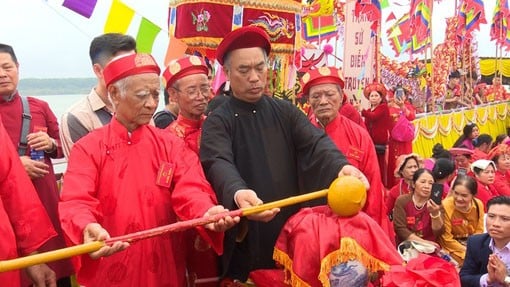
(272, 148)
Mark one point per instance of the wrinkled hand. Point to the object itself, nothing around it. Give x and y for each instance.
(41, 141)
(496, 269)
(222, 224)
(247, 198)
(95, 232)
(353, 171)
(34, 168)
(41, 275)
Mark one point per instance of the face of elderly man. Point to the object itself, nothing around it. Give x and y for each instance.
(8, 74)
(192, 95)
(247, 71)
(325, 100)
(135, 99)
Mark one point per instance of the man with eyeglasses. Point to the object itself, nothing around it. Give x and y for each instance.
(323, 88)
(188, 86)
(256, 148)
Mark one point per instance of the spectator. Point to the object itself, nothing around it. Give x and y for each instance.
(164, 118)
(463, 217)
(484, 171)
(487, 254)
(438, 151)
(482, 145)
(443, 173)
(407, 165)
(469, 133)
(500, 155)
(415, 216)
(95, 110)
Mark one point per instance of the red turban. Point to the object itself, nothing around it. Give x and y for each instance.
(378, 87)
(499, 150)
(245, 37)
(128, 65)
(184, 67)
(322, 75)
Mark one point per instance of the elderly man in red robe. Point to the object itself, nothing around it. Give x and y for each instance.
(24, 224)
(324, 89)
(188, 86)
(129, 176)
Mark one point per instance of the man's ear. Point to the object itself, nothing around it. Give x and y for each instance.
(172, 95)
(98, 70)
(115, 95)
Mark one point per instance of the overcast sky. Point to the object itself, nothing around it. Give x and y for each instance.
(52, 41)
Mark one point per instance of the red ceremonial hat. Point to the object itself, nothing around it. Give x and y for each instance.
(184, 67)
(322, 75)
(375, 87)
(128, 65)
(244, 37)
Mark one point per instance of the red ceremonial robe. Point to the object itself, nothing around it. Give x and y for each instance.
(46, 187)
(129, 183)
(315, 240)
(24, 224)
(202, 261)
(502, 182)
(485, 193)
(355, 143)
(396, 148)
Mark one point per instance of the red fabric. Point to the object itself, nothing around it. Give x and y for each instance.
(378, 123)
(485, 192)
(244, 37)
(502, 183)
(396, 148)
(424, 271)
(322, 75)
(478, 154)
(402, 187)
(188, 130)
(268, 278)
(375, 87)
(111, 180)
(496, 93)
(355, 144)
(313, 233)
(202, 261)
(46, 186)
(24, 224)
(349, 111)
(129, 65)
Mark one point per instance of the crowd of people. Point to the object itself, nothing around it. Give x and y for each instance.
(131, 169)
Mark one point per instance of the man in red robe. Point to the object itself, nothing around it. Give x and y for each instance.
(129, 176)
(41, 136)
(24, 224)
(323, 88)
(188, 86)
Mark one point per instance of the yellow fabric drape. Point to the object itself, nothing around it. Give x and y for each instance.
(488, 66)
(447, 128)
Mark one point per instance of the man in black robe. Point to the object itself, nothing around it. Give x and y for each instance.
(257, 149)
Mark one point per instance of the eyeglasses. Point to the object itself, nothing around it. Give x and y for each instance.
(193, 93)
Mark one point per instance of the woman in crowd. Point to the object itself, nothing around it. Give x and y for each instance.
(500, 155)
(484, 171)
(502, 138)
(462, 157)
(415, 216)
(469, 133)
(438, 151)
(463, 216)
(378, 122)
(482, 145)
(443, 173)
(407, 165)
(398, 105)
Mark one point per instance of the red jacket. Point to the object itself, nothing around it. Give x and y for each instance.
(378, 123)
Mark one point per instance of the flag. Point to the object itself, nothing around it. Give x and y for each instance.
(82, 7)
(146, 36)
(471, 15)
(399, 34)
(391, 17)
(119, 18)
(420, 18)
(499, 27)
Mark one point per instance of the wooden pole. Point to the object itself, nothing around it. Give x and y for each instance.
(23, 262)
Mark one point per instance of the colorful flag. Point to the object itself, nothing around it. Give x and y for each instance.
(146, 36)
(119, 18)
(371, 9)
(499, 27)
(471, 15)
(420, 18)
(399, 34)
(82, 7)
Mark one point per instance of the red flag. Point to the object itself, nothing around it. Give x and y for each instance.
(391, 17)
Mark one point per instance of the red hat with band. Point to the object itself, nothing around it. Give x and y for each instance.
(128, 65)
(183, 67)
(244, 37)
(322, 75)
